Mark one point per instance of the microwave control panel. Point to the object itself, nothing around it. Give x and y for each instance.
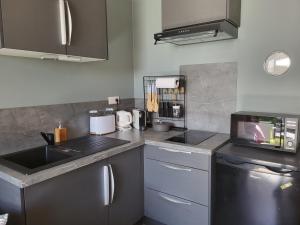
(291, 134)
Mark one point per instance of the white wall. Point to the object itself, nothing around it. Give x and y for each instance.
(30, 82)
(267, 25)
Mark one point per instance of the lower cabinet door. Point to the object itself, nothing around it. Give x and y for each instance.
(187, 183)
(75, 198)
(127, 205)
(171, 210)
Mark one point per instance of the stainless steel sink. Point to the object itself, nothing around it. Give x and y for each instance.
(32, 160)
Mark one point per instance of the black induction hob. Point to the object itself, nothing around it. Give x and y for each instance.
(192, 137)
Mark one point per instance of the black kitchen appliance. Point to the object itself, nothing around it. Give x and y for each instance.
(194, 21)
(192, 137)
(139, 119)
(254, 187)
(266, 130)
(207, 32)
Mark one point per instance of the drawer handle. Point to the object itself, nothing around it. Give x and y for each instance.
(175, 167)
(175, 151)
(172, 200)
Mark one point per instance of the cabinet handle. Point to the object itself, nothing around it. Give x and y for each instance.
(70, 23)
(175, 167)
(112, 184)
(172, 200)
(106, 185)
(175, 151)
(62, 21)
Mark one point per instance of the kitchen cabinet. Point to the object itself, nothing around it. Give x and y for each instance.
(165, 177)
(108, 192)
(89, 35)
(127, 207)
(70, 30)
(75, 198)
(11, 201)
(31, 25)
(179, 157)
(177, 185)
(172, 210)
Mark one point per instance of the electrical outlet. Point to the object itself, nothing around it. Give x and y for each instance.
(114, 100)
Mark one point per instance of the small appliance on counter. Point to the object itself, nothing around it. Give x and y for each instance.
(139, 119)
(124, 120)
(266, 130)
(102, 123)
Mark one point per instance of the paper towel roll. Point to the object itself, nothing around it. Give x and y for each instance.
(167, 82)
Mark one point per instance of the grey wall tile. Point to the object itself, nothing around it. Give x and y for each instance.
(211, 95)
(20, 127)
(139, 103)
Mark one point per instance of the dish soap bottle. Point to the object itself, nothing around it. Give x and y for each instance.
(60, 133)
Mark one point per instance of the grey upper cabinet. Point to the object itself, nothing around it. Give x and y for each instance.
(71, 30)
(75, 198)
(178, 13)
(89, 29)
(127, 206)
(31, 25)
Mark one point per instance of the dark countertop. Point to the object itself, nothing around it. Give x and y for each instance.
(135, 138)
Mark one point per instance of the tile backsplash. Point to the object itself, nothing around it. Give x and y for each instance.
(211, 95)
(20, 127)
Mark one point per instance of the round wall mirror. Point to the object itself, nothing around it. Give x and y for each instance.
(278, 63)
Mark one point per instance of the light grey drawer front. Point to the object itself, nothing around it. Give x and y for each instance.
(185, 158)
(180, 181)
(174, 211)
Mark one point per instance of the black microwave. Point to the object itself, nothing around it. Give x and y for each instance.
(265, 130)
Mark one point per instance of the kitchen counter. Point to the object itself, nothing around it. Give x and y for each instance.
(151, 137)
(136, 139)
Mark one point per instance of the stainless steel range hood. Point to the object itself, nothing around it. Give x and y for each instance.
(193, 21)
(215, 31)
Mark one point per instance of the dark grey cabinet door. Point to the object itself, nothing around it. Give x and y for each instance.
(75, 198)
(89, 29)
(128, 204)
(32, 25)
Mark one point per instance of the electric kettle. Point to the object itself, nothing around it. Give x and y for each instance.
(124, 120)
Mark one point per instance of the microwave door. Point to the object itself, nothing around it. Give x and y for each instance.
(258, 131)
(271, 133)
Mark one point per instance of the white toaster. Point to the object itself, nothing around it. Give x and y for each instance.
(100, 125)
